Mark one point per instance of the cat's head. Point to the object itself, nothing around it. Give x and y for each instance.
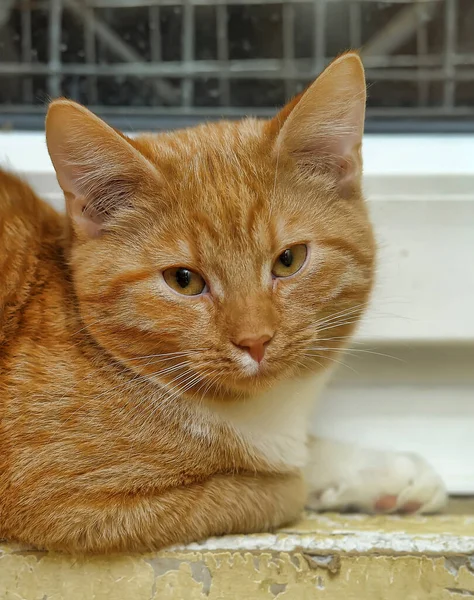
(222, 258)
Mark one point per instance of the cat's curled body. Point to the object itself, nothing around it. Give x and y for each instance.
(133, 416)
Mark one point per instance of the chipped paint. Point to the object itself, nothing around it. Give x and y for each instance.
(292, 564)
(330, 562)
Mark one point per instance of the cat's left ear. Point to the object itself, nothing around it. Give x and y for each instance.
(322, 128)
(98, 168)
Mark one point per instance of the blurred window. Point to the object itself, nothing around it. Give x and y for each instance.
(157, 63)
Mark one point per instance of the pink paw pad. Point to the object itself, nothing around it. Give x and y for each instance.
(389, 503)
(386, 503)
(410, 507)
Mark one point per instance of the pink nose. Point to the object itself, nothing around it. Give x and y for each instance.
(255, 346)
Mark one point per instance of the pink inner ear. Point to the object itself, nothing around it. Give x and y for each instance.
(89, 227)
(342, 165)
(88, 223)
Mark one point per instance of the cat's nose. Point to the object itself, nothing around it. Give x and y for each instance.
(255, 346)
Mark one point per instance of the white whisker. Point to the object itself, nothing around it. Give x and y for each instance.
(338, 362)
(352, 351)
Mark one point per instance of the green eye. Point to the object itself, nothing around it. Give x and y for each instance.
(184, 281)
(290, 261)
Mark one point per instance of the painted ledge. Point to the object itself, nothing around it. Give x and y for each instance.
(329, 557)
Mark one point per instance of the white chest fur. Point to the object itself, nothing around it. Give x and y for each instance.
(275, 424)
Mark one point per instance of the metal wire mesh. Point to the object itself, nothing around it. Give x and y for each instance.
(233, 57)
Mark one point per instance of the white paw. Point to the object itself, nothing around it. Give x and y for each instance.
(380, 482)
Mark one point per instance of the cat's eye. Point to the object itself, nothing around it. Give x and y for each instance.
(184, 281)
(290, 261)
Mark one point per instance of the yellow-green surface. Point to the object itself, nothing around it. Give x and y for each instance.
(331, 557)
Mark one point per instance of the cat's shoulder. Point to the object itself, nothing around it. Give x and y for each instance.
(22, 212)
(16, 195)
(25, 221)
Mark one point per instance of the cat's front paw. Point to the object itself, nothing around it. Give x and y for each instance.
(394, 482)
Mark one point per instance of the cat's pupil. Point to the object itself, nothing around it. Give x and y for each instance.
(183, 277)
(286, 258)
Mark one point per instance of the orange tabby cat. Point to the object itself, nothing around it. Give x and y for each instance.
(157, 367)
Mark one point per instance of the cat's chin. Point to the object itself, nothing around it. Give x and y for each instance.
(266, 378)
(248, 385)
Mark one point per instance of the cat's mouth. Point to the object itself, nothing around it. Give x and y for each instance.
(258, 376)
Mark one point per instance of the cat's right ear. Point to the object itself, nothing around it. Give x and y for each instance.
(97, 167)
